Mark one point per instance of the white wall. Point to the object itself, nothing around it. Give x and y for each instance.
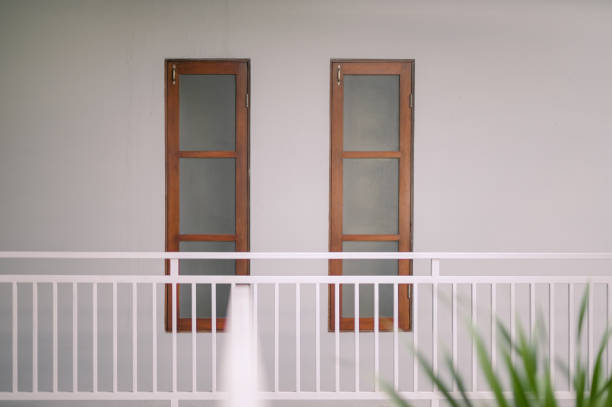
(512, 120)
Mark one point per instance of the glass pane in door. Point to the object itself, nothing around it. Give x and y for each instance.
(207, 196)
(370, 196)
(371, 113)
(207, 112)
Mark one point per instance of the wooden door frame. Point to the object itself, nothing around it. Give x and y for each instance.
(405, 69)
(173, 69)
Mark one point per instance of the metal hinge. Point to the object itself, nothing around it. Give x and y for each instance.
(247, 100)
(411, 100)
(174, 74)
(338, 74)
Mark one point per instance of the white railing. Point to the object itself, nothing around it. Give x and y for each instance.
(437, 306)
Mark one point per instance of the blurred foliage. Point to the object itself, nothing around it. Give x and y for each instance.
(529, 377)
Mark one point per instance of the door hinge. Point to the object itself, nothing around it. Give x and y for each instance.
(411, 101)
(246, 100)
(338, 74)
(174, 74)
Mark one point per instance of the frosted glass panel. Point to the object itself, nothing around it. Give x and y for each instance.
(205, 267)
(371, 113)
(207, 195)
(366, 291)
(370, 196)
(207, 112)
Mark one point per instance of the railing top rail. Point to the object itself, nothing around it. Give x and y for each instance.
(302, 279)
(306, 255)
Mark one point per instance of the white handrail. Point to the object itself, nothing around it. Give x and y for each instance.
(311, 279)
(307, 255)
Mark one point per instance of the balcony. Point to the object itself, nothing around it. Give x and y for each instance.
(103, 337)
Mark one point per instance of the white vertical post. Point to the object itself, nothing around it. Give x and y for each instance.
(134, 337)
(551, 330)
(395, 339)
(356, 326)
(174, 272)
(532, 310)
(213, 320)
(194, 330)
(256, 330)
(474, 323)
(591, 324)
(609, 315)
(55, 340)
(572, 338)
(376, 340)
(415, 336)
(493, 325)
(435, 273)
(154, 334)
(454, 327)
(435, 268)
(35, 337)
(95, 336)
(512, 320)
(15, 359)
(276, 327)
(337, 332)
(318, 337)
(75, 339)
(298, 334)
(434, 329)
(114, 303)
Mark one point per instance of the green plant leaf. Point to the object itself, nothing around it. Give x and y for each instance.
(582, 313)
(487, 368)
(457, 378)
(436, 379)
(549, 392)
(527, 355)
(518, 390)
(596, 375)
(395, 397)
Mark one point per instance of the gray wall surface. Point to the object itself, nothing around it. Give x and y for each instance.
(512, 138)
